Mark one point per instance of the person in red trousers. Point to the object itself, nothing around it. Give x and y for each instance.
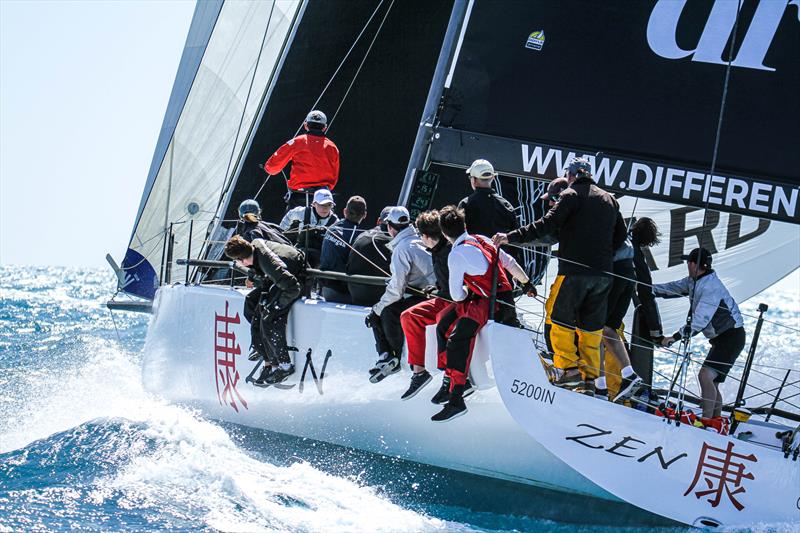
(416, 318)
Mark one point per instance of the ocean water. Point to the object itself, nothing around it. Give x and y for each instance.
(84, 447)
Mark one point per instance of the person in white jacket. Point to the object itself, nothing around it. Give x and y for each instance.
(411, 271)
(716, 315)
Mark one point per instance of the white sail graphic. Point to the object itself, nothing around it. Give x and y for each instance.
(236, 70)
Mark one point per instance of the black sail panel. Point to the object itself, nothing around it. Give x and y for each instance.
(638, 82)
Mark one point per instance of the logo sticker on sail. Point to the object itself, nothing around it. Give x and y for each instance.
(535, 40)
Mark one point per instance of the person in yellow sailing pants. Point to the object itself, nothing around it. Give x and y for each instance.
(589, 230)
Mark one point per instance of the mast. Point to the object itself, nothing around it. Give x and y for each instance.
(458, 18)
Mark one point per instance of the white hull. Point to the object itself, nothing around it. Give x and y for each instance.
(668, 470)
(182, 355)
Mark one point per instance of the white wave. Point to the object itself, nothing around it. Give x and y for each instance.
(196, 472)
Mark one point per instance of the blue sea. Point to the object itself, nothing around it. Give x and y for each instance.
(84, 447)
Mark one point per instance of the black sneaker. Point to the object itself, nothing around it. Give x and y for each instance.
(382, 359)
(628, 387)
(418, 381)
(569, 380)
(443, 395)
(261, 381)
(586, 388)
(278, 375)
(601, 394)
(384, 368)
(454, 408)
(468, 389)
(253, 355)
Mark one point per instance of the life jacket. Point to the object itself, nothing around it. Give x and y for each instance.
(481, 285)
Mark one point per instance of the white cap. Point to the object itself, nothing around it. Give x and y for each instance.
(317, 117)
(481, 169)
(323, 196)
(398, 216)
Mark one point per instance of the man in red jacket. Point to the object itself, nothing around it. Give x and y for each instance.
(314, 158)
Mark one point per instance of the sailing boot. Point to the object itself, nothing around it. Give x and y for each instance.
(570, 379)
(384, 367)
(280, 374)
(586, 388)
(454, 407)
(418, 381)
(443, 394)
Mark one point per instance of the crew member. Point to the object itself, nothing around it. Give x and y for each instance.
(620, 378)
(586, 222)
(370, 256)
(416, 318)
(411, 268)
(306, 226)
(486, 211)
(474, 261)
(277, 265)
(714, 312)
(336, 248)
(644, 235)
(251, 226)
(314, 158)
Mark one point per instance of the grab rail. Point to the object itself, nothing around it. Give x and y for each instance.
(310, 272)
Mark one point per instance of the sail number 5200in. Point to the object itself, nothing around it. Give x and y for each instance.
(531, 390)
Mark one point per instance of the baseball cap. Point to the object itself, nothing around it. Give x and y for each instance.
(555, 188)
(317, 117)
(481, 169)
(323, 196)
(385, 213)
(701, 256)
(398, 216)
(249, 206)
(579, 163)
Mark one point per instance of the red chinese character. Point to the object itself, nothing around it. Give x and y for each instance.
(225, 351)
(721, 472)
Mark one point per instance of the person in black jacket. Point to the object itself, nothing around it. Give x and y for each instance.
(370, 256)
(336, 248)
(589, 230)
(486, 211)
(277, 266)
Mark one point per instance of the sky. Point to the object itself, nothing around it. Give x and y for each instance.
(83, 90)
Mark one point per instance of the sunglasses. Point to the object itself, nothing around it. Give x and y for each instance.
(554, 198)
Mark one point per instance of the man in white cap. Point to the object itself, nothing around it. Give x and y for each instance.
(486, 211)
(411, 268)
(306, 226)
(314, 158)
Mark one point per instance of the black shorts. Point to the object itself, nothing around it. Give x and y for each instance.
(619, 300)
(725, 348)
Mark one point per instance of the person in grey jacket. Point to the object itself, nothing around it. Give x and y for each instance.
(411, 268)
(716, 315)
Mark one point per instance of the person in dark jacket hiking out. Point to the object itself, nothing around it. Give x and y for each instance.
(336, 248)
(370, 256)
(276, 269)
(589, 230)
(314, 158)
